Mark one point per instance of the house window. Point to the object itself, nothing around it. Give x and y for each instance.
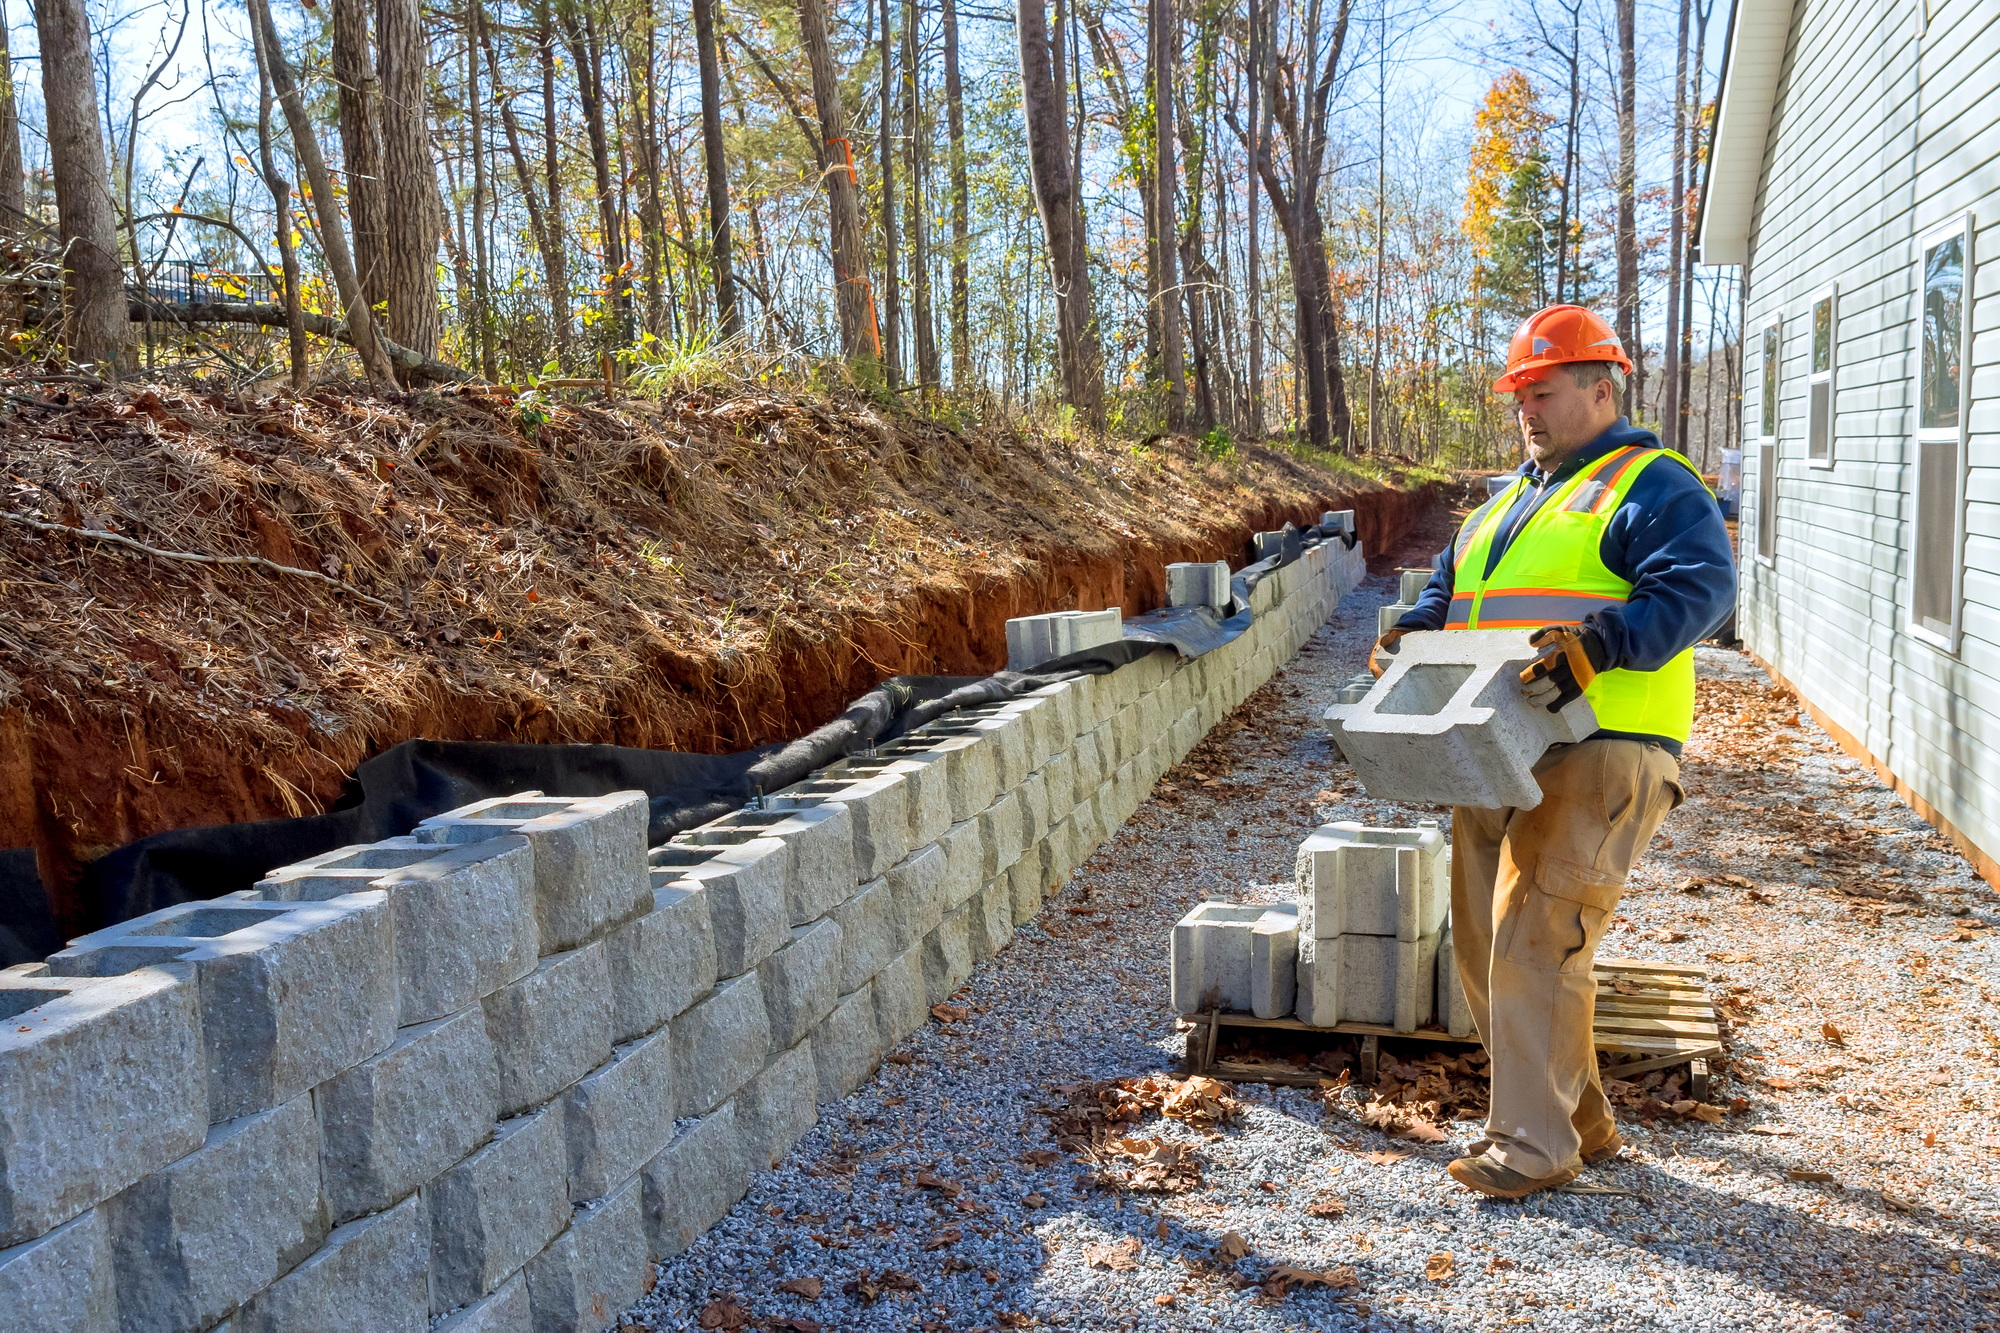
(1819, 395)
(1944, 265)
(1767, 447)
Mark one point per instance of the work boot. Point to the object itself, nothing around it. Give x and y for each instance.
(1487, 1176)
(1601, 1151)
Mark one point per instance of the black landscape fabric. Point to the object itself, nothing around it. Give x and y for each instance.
(391, 793)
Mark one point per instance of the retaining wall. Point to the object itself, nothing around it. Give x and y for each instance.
(489, 1072)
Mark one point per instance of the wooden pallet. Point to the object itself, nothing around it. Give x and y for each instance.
(1652, 1015)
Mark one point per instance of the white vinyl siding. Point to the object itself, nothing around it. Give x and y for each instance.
(1881, 137)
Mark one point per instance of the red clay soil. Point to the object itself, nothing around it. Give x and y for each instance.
(699, 574)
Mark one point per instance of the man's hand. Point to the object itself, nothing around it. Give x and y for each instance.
(1572, 655)
(1384, 649)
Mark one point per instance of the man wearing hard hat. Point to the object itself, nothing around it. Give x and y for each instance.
(1612, 550)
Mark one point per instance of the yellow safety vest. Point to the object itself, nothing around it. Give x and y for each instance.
(1552, 574)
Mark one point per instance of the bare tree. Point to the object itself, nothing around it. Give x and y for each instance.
(923, 327)
(892, 255)
(281, 204)
(13, 186)
(1163, 39)
(854, 300)
(1050, 170)
(411, 210)
(360, 93)
(1625, 186)
(96, 327)
(716, 167)
(961, 226)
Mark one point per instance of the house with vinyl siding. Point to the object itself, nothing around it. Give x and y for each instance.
(1856, 180)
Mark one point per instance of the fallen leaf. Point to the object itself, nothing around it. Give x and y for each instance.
(1773, 1131)
(1778, 1081)
(1165, 1302)
(1439, 1267)
(863, 1286)
(1231, 1247)
(900, 1058)
(1939, 1080)
(1832, 1034)
(723, 1314)
(949, 1236)
(1804, 1176)
(950, 1189)
(894, 1101)
(1035, 1201)
(948, 1013)
(1708, 1114)
(1496, 1263)
(1327, 1205)
(807, 1287)
(1334, 1279)
(1383, 1158)
(1040, 1157)
(1161, 1230)
(1665, 936)
(894, 1279)
(1897, 1203)
(1121, 1257)
(791, 1323)
(1423, 1131)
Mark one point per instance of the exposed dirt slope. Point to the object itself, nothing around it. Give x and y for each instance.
(696, 574)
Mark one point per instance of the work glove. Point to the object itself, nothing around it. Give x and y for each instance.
(1572, 655)
(1385, 648)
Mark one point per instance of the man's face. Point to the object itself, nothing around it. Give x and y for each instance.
(1559, 416)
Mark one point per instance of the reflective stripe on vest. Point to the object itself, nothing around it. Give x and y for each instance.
(1551, 573)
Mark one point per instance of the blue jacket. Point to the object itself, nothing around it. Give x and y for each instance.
(1667, 540)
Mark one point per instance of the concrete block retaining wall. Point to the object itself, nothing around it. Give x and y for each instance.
(489, 1072)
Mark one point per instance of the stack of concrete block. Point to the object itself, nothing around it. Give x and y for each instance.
(1448, 723)
(1033, 640)
(481, 1076)
(1284, 543)
(1409, 587)
(1372, 906)
(1198, 584)
(1237, 957)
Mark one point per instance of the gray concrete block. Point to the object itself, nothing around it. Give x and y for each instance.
(80, 1057)
(1000, 835)
(868, 938)
(192, 1241)
(900, 1003)
(1033, 640)
(1388, 614)
(498, 1208)
(1367, 979)
(1031, 803)
(505, 1311)
(801, 981)
(1204, 584)
(964, 851)
(745, 879)
(1024, 887)
(928, 776)
(61, 1282)
(972, 771)
(659, 963)
(1059, 782)
(778, 1106)
(619, 1116)
(1448, 723)
(1410, 583)
(551, 1027)
(1356, 880)
(1057, 704)
(1453, 1013)
(595, 1270)
(847, 1045)
(917, 891)
(992, 918)
(948, 955)
(291, 993)
(464, 915)
(694, 1181)
(1240, 957)
(877, 799)
(590, 858)
(371, 1274)
(1341, 520)
(821, 839)
(720, 1044)
(396, 1119)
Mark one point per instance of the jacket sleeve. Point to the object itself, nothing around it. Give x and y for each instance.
(1434, 603)
(1669, 541)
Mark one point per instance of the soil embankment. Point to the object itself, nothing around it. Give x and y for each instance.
(701, 574)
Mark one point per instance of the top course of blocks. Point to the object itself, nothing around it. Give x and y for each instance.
(1033, 640)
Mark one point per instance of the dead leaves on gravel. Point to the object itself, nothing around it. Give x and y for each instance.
(1413, 1100)
(1093, 1126)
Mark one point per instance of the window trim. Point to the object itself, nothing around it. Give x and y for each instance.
(1771, 404)
(1961, 227)
(1830, 376)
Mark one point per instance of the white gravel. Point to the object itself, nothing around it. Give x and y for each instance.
(1712, 1234)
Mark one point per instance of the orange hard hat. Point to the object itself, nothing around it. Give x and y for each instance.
(1554, 335)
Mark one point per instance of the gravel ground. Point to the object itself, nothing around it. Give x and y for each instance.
(1860, 1049)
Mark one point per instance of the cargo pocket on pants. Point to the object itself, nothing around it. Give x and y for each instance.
(1562, 912)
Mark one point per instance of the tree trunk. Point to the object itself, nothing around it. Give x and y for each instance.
(1046, 104)
(924, 330)
(1671, 433)
(411, 210)
(652, 213)
(13, 185)
(1628, 230)
(482, 276)
(587, 52)
(524, 176)
(1253, 239)
(374, 358)
(555, 257)
(1163, 39)
(892, 254)
(716, 168)
(961, 222)
(281, 204)
(854, 299)
(95, 328)
(360, 143)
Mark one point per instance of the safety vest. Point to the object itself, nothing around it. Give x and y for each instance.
(1552, 574)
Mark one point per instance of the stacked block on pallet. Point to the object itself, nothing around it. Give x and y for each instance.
(1237, 957)
(482, 1075)
(1372, 905)
(1448, 724)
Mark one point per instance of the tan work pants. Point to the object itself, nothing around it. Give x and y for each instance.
(1532, 892)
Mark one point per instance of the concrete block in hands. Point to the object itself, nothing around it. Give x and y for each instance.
(103, 1081)
(1449, 723)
